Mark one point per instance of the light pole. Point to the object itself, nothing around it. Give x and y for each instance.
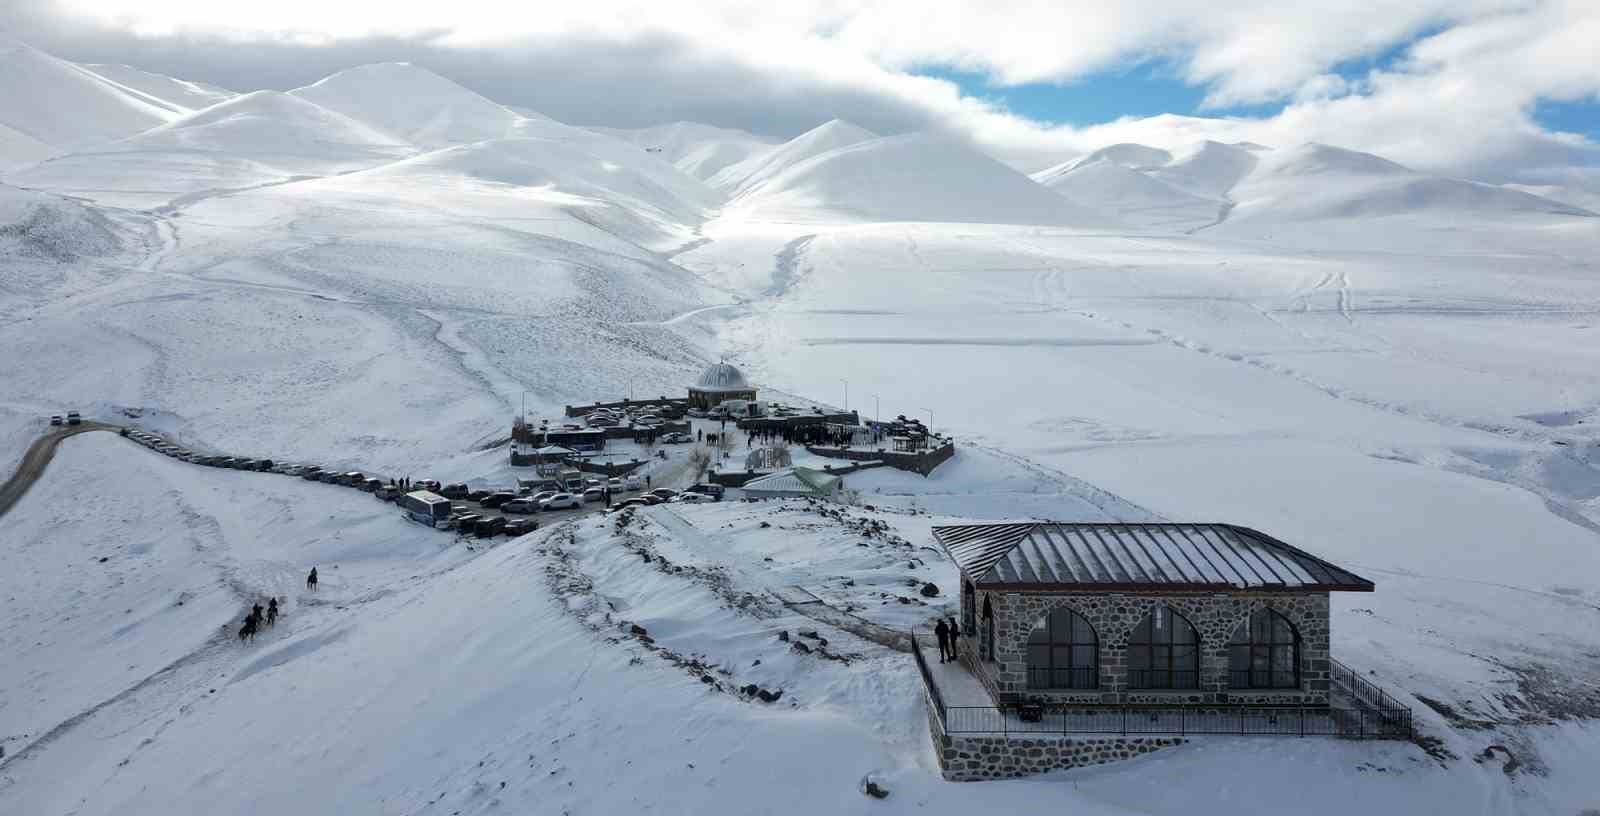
(930, 423)
(846, 393)
(877, 409)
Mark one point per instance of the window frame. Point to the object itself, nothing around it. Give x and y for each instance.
(1163, 657)
(1263, 658)
(1078, 652)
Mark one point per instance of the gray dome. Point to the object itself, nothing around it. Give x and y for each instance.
(722, 378)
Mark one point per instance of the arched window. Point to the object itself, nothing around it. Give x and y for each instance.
(988, 630)
(1063, 653)
(1164, 652)
(1264, 653)
(969, 608)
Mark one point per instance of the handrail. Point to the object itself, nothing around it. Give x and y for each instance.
(927, 679)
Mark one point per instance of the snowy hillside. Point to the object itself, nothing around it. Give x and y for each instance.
(699, 150)
(919, 177)
(1393, 370)
(741, 177)
(52, 106)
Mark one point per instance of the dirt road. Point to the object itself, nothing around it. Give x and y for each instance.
(38, 456)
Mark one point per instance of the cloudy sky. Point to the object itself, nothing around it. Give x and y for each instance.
(1499, 89)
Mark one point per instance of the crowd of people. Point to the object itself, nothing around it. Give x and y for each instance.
(829, 436)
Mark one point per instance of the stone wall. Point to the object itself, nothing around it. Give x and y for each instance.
(921, 462)
(1114, 617)
(971, 758)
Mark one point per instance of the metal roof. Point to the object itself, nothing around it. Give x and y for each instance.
(799, 480)
(722, 377)
(1060, 555)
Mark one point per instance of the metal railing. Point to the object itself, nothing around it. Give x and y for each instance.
(1306, 721)
(934, 698)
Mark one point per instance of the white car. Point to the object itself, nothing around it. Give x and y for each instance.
(561, 501)
(615, 484)
(692, 498)
(633, 483)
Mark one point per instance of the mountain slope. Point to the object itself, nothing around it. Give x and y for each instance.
(178, 93)
(1208, 169)
(411, 104)
(916, 177)
(698, 150)
(1133, 196)
(270, 123)
(742, 177)
(53, 105)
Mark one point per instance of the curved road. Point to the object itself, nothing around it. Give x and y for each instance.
(38, 456)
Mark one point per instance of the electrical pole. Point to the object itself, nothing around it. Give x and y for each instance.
(846, 393)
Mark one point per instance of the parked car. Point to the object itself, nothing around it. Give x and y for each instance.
(264, 464)
(387, 492)
(497, 498)
(73, 418)
(55, 419)
(479, 495)
(517, 527)
(677, 438)
(329, 477)
(561, 501)
(633, 482)
(602, 422)
(244, 464)
(689, 497)
(594, 494)
(486, 527)
(650, 499)
(464, 521)
(542, 495)
(713, 490)
(663, 493)
(521, 504)
(637, 501)
(453, 491)
(370, 485)
(311, 473)
(353, 478)
(615, 484)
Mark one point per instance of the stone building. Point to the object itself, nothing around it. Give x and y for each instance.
(720, 383)
(1163, 614)
(1083, 644)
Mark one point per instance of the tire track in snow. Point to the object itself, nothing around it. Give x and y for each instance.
(786, 268)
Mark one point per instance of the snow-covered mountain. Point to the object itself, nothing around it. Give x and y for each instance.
(1392, 369)
(699, 150)
(742, 176)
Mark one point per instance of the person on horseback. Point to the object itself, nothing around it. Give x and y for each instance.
(272, 612)
(311, 580)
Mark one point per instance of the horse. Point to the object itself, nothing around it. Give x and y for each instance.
(248, 631)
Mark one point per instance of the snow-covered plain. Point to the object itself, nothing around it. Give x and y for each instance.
(1395, 371)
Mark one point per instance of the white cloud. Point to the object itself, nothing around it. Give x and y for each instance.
(1458, 100)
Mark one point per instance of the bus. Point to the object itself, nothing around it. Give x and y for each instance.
(426, 507)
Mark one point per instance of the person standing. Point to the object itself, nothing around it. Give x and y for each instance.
(942, 632)
(955, 638)
(311, 580)
(272, 612)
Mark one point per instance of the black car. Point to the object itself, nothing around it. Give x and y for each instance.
(713, 490)
(264, 464)
(496, 499)
(453, 491)
(486, 527)
(517, 527)
(479, 495)
(311, 474)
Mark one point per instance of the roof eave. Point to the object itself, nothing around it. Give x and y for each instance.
(1165, 589)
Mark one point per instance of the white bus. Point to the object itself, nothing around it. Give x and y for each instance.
(426, 507)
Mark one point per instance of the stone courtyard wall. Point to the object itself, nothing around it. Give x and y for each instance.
(1114, 617)
(973, 758)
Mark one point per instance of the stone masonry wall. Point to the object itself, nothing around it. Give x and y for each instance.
(1114, 618)
(970, 758)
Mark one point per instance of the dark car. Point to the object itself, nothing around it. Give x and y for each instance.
(465, 521)
(486, 527)
(73, 418)
(264, 464)
(479, 495)
(497, 498)
(370, 485)
(453, 491)
(517, 527)
(713, 490)
(637, 501)
(663, 493)
(329, 477)
(427, 484)
(311, 474)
